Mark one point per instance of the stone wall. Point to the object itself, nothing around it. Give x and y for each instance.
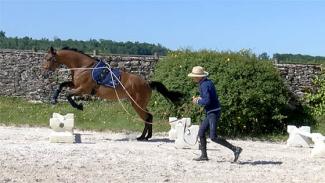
(299, 77)
(21, 74)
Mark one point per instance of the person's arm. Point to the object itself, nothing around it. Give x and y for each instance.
(204, 96)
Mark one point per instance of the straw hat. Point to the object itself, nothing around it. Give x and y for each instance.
(198, 71)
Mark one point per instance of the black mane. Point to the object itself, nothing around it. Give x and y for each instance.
(76, 50)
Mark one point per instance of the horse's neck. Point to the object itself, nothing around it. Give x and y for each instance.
(74, 60)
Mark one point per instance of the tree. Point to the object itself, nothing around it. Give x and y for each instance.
(298, 59)
(264, 56)
(2, 34)
(104, 46)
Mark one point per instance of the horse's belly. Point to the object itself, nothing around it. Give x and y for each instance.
(110, 93)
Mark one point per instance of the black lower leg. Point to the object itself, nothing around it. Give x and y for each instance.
(203, 146)
(223, 142)
(73, 103)
(149, 120)
(58, 91)
(144, 132)
(149, 131)
(203, 142)
(55, 96)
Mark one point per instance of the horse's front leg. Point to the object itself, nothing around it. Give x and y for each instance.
(74, 92)
(57, 92)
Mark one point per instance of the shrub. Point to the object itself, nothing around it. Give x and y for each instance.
(251, 91)
(316, 101)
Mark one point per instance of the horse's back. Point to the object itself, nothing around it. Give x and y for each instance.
(134, 80)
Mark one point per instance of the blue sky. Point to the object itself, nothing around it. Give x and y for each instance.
(272, 26)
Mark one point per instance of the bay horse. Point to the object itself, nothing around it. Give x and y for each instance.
(81, 65)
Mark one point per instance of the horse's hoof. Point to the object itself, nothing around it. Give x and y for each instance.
(142, 139)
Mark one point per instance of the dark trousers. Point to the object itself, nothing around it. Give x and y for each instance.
(210, 124)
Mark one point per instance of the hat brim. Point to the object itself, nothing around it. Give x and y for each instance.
(198, 75)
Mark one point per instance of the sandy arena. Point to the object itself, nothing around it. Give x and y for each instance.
(27, 156)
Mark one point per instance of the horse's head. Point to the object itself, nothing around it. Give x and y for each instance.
(50, 62)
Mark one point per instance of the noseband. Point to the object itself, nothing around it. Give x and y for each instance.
(52, 59)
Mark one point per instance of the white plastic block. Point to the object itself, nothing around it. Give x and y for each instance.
(299, 137)
(60, 123)
(318, 151)
(172, 132)
(319, 146)
(184, 134)
(62, 137)
(62, 126)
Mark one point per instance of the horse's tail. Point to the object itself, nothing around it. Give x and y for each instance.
(173, 96)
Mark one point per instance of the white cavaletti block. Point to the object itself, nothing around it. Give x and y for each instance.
(173, 121)
(299, 137)
(62, 126)
(62, 137)
(60, 123)
(319, 146)
(172, 132)
(184, 134)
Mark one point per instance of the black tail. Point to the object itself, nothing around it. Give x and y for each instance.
(173, 96)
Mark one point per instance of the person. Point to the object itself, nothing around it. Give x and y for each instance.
(209, 99)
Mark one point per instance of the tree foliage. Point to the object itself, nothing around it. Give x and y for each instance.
(102, 46)
(298, 59)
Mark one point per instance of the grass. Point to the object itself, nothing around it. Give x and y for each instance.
(97, 115)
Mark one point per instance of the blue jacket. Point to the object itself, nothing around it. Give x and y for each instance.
(209, 98)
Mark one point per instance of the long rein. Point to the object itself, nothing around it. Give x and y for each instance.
(113, 75)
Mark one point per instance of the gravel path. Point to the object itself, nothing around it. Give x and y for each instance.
(27, 156)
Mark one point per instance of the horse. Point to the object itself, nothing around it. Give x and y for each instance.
(133, 88)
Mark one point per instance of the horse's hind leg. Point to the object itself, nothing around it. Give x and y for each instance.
(144, 132)
(147, 117)
(147, 127)
(149, 123)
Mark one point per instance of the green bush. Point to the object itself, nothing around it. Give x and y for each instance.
(251, 91)
(316, 101)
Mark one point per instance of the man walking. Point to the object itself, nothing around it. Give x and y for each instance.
(209, 99)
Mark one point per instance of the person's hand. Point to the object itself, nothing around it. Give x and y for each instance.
(195, 99)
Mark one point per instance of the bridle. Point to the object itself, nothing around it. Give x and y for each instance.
(48, 71)
(52, 59)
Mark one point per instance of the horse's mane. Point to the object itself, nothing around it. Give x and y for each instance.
(76, 50)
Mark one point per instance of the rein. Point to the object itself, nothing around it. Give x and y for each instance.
(81, 68)
(112, 74)
(116, 93)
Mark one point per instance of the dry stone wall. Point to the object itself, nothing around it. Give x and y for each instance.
(299, 78)
(21, 74)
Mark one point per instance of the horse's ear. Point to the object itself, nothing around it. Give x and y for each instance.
(52, 51)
